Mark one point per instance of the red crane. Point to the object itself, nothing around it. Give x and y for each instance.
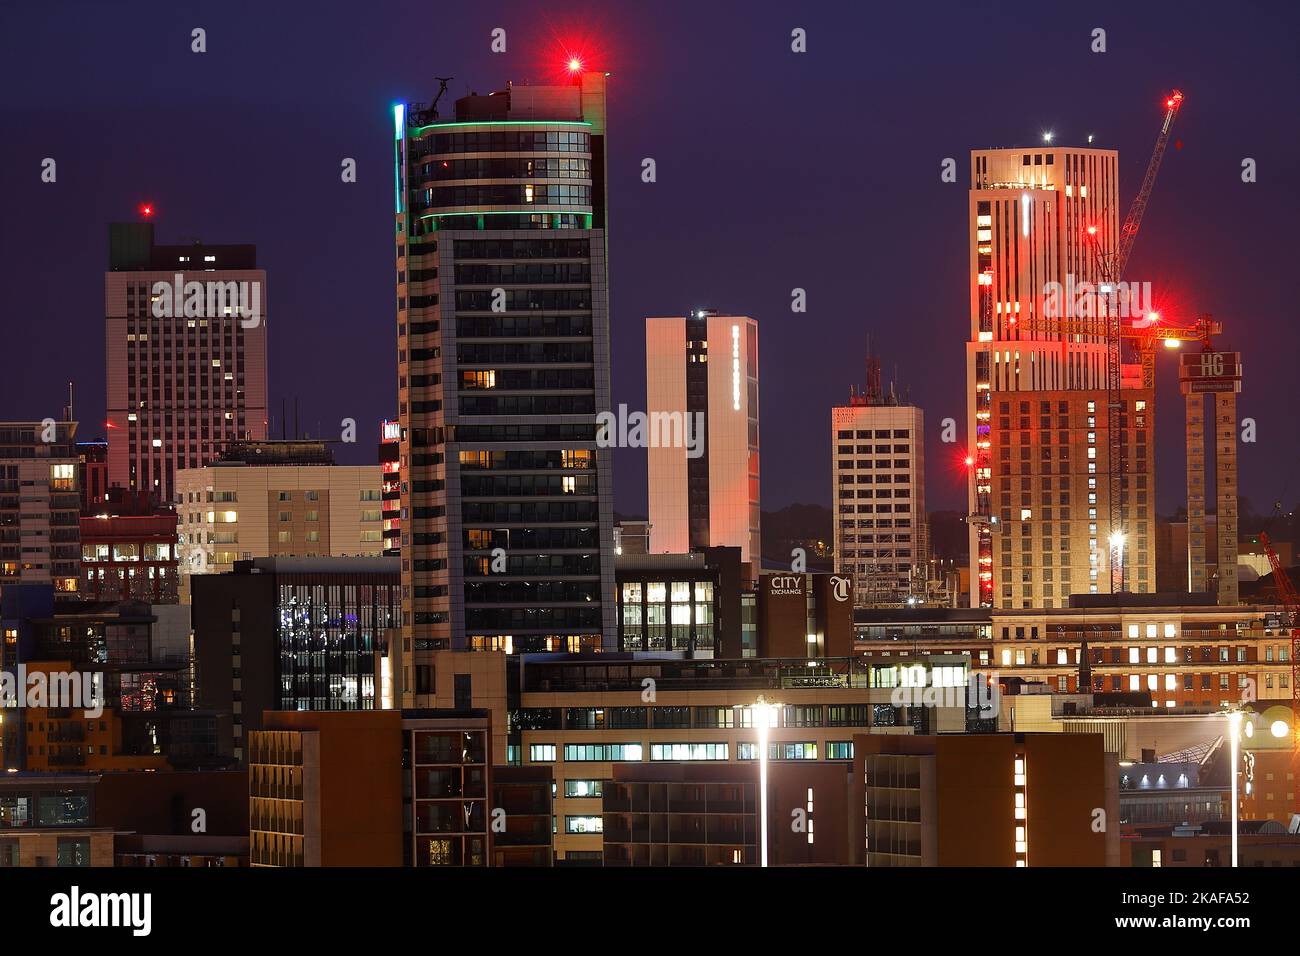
(1111, 270)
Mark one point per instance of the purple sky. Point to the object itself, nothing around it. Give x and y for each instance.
(776, 170)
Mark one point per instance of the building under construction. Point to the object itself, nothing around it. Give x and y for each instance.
(1061, 387)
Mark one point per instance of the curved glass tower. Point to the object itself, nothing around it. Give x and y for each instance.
(503, 363)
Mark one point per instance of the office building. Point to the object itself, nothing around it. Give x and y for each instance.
(879, 498)
(130, 557)
(295, 634)
(585, 718)
(185, 355)
(276, 499)
(1037, 408)
(1021, 799)
(40, 506)
(698, 603)
(47, 820)
(503, 364)
(702, 433)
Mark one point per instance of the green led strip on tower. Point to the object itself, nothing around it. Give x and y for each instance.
(417, 130)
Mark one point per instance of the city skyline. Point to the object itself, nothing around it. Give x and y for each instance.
(404, 484)
(232, 198)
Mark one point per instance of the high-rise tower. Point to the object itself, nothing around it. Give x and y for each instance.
(1038, 451)
(503, 364)
(702, 392)
(185, 350)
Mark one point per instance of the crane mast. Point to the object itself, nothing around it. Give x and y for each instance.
(1111, 269)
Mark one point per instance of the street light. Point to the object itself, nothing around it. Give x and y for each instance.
(763, 714)
(1234, 728)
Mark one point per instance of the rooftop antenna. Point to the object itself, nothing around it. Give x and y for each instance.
(442, 88)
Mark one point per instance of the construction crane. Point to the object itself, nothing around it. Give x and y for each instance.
(1290, 601)
(1110, 268)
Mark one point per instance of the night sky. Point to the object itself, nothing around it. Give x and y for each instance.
(776, 170)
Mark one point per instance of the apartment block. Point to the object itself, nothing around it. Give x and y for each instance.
(1038, 410)
(40, 505)
(503, 364)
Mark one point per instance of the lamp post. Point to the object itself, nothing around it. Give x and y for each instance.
(762, 711)
(1234, 730)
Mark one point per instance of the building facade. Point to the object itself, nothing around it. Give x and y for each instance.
(1037, 408)
(879, 500)
(186, 367)
(130, 557)
(702, 433)
(1012, 799)
(503, 363)
(295, 634)
(238, 510)
(40, 505)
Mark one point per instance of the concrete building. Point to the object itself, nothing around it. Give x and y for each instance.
(40, 505)
(1037, 407)
(878, 452)
(1213, 378)
(702, 392)
(1019, 799)
(503, 362)
(276, 499)
(185, 366)
(258, 633)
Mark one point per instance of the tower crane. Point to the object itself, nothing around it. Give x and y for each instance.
(1111, 271)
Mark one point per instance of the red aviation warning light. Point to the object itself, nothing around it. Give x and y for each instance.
(575, 65)
(146, 209)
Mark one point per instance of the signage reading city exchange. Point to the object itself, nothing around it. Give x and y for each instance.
(785, 584)
(793, 585)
